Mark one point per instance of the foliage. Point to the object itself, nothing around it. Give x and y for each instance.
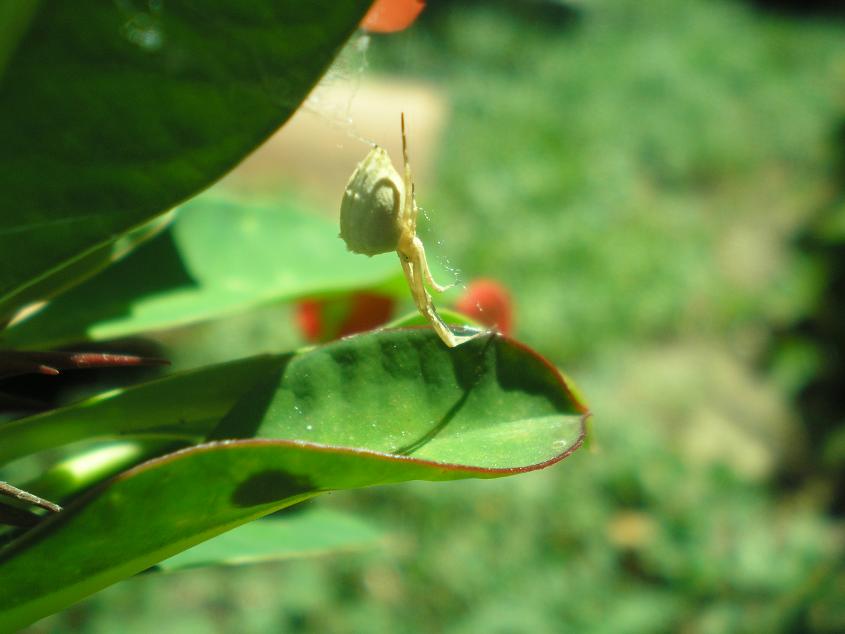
(156, 104)
(639, 171)
(643, 167)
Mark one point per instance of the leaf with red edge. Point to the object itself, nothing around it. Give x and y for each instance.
(379, 408)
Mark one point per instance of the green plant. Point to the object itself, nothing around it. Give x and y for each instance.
(110, 118)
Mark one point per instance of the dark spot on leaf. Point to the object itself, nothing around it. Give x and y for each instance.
(271, 486)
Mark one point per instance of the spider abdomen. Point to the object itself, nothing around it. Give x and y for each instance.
(370, 210)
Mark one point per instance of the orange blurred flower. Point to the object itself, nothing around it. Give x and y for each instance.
(390, 16)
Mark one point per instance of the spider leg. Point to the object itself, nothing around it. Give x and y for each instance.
(420, 249)
(407, 269)
(420, 299)
(426, 307)
(412, 266)
(410, 210)
(412, 213)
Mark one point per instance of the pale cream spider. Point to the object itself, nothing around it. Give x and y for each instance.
(378, 216)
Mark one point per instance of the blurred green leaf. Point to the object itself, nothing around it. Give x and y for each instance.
(220, 257)
(111, 114)
(306, 533)
(374, 409)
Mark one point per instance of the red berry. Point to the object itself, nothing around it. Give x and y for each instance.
(489, 303)
(367, 311)
(308, 318)
(326, 319)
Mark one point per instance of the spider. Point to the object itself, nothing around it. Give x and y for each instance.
(378, 216)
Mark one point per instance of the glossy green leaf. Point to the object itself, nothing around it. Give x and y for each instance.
(220, 257)
(403, 392)
(306, 533)
(374, 409)
(112, 113)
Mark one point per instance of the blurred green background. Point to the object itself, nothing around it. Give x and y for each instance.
(661, 186)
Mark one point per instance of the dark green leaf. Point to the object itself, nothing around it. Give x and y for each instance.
(112, 113)
(14, 21)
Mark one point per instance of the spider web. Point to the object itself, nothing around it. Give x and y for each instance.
(334, 95)
(332, 101)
